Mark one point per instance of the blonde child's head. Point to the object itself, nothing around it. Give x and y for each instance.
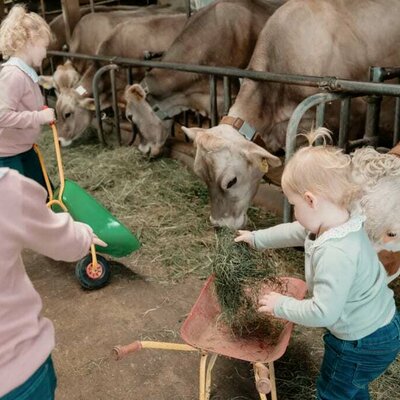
(323, 170)
(19, 28)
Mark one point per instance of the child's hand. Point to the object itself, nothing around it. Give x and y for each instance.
(245, 236)
(47, 116)
(268, 302)
(98, 241)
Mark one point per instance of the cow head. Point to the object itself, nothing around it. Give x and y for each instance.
(153, 131)
(75, 114)
(65, 77)
(232, 168)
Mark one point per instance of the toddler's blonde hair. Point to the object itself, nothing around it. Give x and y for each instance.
(19, 27)
(323, 170)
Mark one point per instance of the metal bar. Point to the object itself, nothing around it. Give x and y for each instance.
(227, 95)
(373, 105)
(298, 113)
(320, 115)
(396, 132)
(95, 82)
(115, 105)
(43, 9)
(188, 9)
(52, 65)
(319, 120)
(344, 121)
(2, 11)
(213, 100)
(330, 84)
(92, 10)
(129, 76)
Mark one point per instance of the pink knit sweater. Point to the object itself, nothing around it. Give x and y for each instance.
(20, 103)
(26, 338)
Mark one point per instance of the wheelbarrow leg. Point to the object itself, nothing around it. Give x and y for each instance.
(274, 395)
(265, 380)
(202, 377)
(210, 367)
(205, 375)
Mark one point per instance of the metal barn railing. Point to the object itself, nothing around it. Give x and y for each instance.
(327, 84)
(334, 89)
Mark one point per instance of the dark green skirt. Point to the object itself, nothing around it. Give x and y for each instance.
(27, 164)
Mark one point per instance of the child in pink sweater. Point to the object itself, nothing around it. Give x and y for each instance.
(24, 37)
(27, 338)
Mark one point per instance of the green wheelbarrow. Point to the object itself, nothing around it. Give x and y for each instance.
(93, 271)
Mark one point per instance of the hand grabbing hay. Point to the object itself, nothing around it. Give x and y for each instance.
(240, 276)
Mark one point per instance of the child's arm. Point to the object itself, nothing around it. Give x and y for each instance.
(12, 91)
(283, 235)
(54, 235)
(334, 275)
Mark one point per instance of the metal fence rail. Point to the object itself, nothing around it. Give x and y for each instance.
(331, 84)
(335, 89)
(327, 84)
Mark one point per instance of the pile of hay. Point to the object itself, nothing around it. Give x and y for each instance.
(161, 201)
(240, 274)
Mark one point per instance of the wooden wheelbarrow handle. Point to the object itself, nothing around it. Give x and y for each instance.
(263, 382)
(119, 352)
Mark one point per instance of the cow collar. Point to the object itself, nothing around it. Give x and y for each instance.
(245, 129)
(153, 104)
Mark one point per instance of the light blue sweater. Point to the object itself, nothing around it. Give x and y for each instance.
(345, 278)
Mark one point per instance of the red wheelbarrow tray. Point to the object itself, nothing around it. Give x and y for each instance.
(202, 328)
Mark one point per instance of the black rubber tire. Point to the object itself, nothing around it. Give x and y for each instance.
(85, 280)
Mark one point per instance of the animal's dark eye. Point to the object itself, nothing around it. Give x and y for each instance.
(67, 115)
(392, 234)
(231, 183)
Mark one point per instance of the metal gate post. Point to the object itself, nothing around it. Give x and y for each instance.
(115, 104)
(213, 100)
(376, 74)
(227, 95)
(96, 96)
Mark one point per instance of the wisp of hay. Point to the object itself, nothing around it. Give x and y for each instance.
(240, 272)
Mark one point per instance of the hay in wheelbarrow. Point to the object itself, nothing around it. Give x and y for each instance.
(240, 274)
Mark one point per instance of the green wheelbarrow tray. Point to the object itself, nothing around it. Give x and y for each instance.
(84, 208)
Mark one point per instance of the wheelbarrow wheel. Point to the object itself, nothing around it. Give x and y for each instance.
(91, 277)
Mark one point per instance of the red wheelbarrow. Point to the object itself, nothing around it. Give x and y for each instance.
(203, 332)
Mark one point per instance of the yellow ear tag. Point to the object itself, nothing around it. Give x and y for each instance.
(264, 165)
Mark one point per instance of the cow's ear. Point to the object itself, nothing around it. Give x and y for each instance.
(46, 81)
(262, 158)
(192, 133)
(88, 103)
(135, 92)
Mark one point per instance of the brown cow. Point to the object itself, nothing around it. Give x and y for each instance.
(307, 37)
(223, 33)
(75, 106)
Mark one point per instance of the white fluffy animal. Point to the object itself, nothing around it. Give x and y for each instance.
(379, 176)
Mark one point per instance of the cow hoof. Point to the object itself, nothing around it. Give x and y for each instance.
(92, 276)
